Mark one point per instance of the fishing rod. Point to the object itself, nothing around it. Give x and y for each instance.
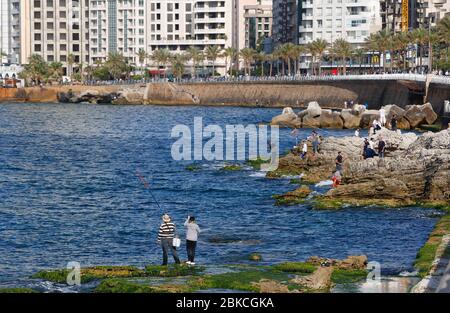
(147, 186)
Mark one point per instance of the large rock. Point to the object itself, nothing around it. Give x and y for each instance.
(415, 115)
(314, 109)
(392, 109)
(367, 118)
(330, 119)
(358, 109)
(430, 115)
(351, 120)
(309, 121)
(320, 279)
(396, 143)
(287, 120)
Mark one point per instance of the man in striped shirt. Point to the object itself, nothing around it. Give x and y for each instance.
(165, 237)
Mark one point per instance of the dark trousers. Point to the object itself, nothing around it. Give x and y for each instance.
(190, 249)
(166, 245)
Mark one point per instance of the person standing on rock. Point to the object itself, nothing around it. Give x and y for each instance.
(192, 232)
(381, 148)
(304, 149)
(382, 116)
(394, 122)
(315, 142)
(165, 237)
(339, 161)
(357, 132)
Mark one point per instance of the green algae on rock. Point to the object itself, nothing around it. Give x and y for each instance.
(17, 290)
(256, 163)
(232, 167)
(427, 254)
(255, 257)
(293, 197)
(172, 270)
(192, 167)
(90, 273)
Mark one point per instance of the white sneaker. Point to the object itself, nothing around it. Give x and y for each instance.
(188, 262)
(192, 263)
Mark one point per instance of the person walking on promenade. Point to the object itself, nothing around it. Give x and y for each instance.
(165, 237)
(192, 232)
(339, 161)
(394, 122)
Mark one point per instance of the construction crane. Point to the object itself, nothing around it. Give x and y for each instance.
(405, 17)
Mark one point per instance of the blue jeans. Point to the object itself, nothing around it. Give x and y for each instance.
(166, 245)
(315, 145)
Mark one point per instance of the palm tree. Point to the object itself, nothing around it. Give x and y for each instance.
(401, 43)
(248, 55)
(372, 46)
(293, 53)
(420, 37)
(271, 58)
(261, 57)
(343, 49)
(300, 50)
(443, 29)
(212, 53)
(177, 62)
(381, 42)
(117, 65)
(359, 54)
(36, 70)
(317, 48)
(196, 55)
(161, 58)
(70, 63)
(229, 54)
(142, 56)
(287, 52)
(55, 71)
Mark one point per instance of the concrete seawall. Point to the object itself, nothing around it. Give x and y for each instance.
(265, 93)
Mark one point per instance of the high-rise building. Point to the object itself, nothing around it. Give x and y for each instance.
(177, 25)
(10, 31)
(57, 30)
(117, 26)
(430, 12)
(352, 20)
(286, 15)
(258, 23)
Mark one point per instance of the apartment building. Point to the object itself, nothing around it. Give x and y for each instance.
(286, 21)
(117, 26)
(10, 31)
(55, 29)
(352, 20)
(430, 12)
(258, 23)
(177, 25)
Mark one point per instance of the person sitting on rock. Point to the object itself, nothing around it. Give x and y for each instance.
(339, 161)
(336, 179)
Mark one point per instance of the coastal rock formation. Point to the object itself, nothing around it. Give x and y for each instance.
(329, 119)
(320, 279)
(91, 96)
(367, 118)
(415, 169)
(355, 262)
(420, 114)
(287, 119)
(421, 172)
(129, 96)
(351, 118)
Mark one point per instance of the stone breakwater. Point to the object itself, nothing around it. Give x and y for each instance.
(314, 116)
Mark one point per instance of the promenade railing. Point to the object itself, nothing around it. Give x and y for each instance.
(295, 78)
